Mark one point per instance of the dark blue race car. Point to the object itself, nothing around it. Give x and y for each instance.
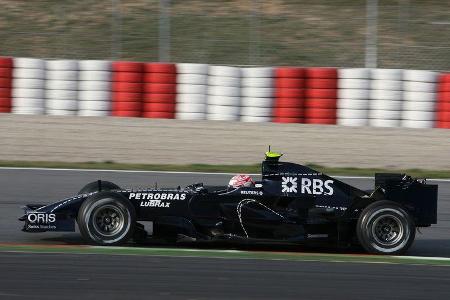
(291, 204)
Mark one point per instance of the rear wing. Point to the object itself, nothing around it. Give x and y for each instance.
(416, 195)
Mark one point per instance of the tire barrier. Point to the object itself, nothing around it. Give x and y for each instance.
(94, 88)
(188, 91)
(443, 102)
(6, 67)
(320, 95)
(386, 97)
(28, 86)
(257, 94)
(61, 95)
(419, 97)
(127, 88)
(160, 90)
(289, 95)
(224, 92)
(192, 88)
(353, 97)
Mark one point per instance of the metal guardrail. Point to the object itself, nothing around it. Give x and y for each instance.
(411, 34)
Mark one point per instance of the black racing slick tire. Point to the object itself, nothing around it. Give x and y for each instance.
(106, 219)
(97, 186)
(384, 227)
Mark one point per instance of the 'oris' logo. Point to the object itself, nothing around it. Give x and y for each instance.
(41, 218)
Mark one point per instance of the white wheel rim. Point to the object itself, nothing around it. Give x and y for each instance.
(397, 241)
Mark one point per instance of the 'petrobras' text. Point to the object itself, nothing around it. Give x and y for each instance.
(157, 196)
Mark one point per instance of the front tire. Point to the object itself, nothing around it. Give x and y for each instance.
(107, 218)
(384, 227)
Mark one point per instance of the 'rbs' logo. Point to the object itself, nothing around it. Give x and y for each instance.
(317, 186)
(307, 186)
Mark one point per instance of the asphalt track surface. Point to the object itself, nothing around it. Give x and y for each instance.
(66, 276)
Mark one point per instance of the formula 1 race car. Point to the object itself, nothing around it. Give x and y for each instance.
(291, 204)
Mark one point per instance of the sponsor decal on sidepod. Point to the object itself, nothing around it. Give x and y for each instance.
(155, 199)
(157, 196)
(256, 193)
(307, 186)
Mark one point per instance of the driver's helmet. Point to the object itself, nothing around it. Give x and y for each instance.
(241, 180)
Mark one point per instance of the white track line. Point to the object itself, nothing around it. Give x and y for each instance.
(314, 258)
(115, 171)
(149, 250)
(174, 172)
(424, 258)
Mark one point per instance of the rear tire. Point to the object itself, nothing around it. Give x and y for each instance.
(384, 227)
(106, 218)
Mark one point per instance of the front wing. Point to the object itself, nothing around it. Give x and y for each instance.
(37, 219)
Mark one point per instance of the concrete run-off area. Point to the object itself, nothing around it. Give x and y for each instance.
(157, 141)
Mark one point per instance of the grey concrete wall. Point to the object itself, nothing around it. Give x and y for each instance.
(135, 140)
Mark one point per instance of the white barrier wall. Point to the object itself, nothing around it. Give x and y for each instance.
(353, 97)
(192, 88)
(94, 88)
(61, 88)
(257, 94)
(386, 97)
(28, 94)
(419, 98)
(224, 93)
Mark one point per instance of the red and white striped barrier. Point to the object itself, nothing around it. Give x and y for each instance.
(348, 97)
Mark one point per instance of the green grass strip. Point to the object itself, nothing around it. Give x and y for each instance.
(256, 168)
(227, 254)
